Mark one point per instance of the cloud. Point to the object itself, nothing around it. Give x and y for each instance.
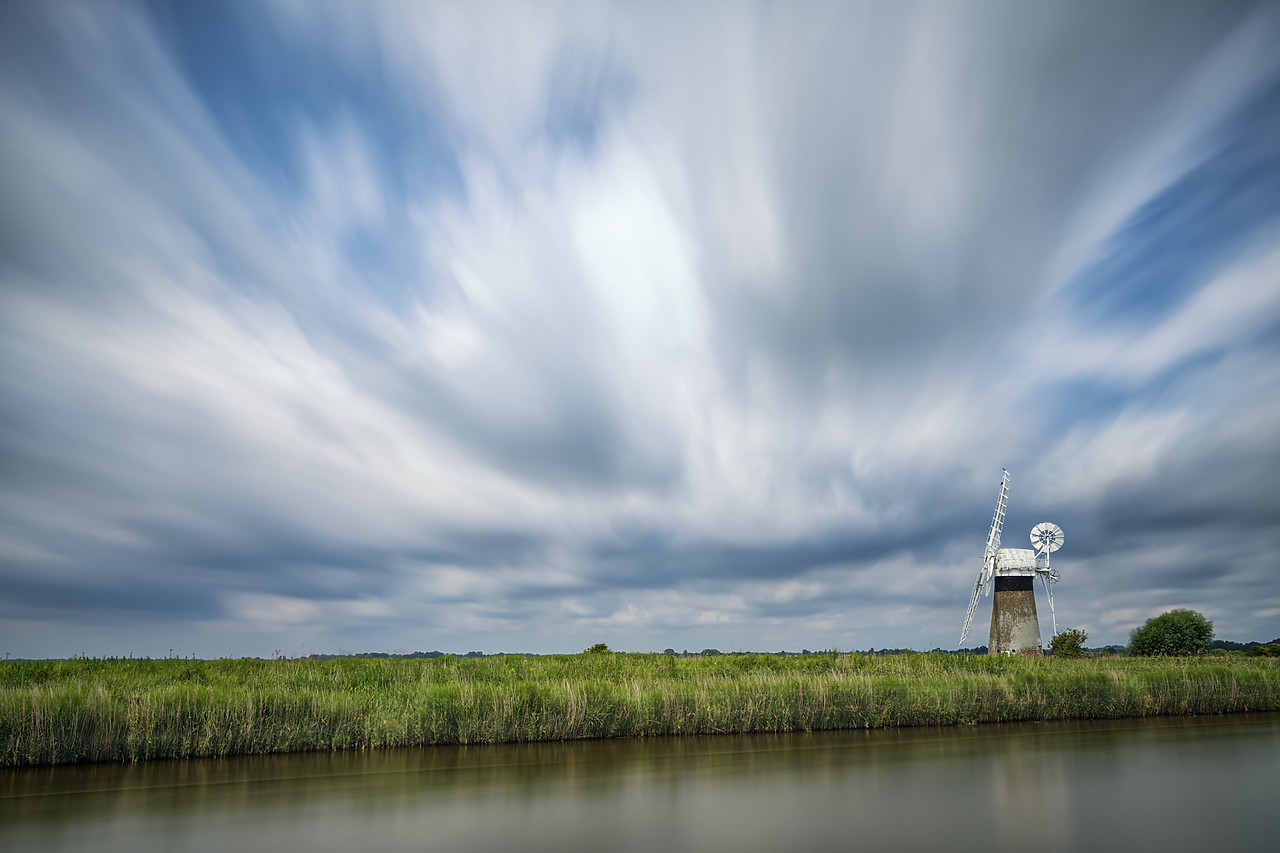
(472, 327)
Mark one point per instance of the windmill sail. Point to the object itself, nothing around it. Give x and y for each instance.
(988, 570)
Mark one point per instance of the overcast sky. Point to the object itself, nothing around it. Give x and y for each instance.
(362, 326)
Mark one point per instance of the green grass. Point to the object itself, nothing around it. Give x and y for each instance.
(54, 712)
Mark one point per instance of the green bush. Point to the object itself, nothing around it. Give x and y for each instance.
(598, 649)
(1069, 643)
(1178, 633)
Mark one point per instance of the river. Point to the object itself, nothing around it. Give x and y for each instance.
(1203, 784)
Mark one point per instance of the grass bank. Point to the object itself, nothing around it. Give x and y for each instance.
(54, 712)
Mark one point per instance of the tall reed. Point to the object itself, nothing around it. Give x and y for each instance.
(55, 712)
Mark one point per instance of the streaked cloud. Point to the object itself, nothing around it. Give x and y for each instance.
(499, 326)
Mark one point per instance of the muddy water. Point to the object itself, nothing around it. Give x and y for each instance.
(1199, 784)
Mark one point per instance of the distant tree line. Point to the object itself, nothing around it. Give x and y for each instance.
(406, 656)
(1176, 633)
(1250, 648)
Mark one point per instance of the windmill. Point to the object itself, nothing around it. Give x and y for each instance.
(1015, 629)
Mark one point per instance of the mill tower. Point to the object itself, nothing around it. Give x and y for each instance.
(1015, 629)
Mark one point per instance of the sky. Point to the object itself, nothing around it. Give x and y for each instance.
(338, 327)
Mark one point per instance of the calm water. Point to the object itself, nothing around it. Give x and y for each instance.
(1201, 784)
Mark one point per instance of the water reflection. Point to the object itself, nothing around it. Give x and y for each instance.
(1176, 784)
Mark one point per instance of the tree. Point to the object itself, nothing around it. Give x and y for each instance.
(598, 649)
(1069, 643)
(1177, 633)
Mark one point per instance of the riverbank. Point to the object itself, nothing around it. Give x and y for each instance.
(56, 712)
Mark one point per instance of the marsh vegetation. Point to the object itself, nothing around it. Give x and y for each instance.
(81, 710)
